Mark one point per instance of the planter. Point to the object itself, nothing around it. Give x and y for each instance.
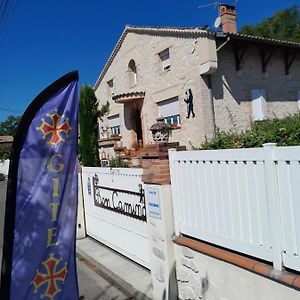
(160, 131)
(135, 162)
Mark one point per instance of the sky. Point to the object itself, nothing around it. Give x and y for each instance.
(46, 39)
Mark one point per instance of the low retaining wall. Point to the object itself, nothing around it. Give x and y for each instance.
(200, 276)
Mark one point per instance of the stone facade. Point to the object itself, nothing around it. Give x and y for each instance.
(189, 49)
(202, 277)
(232, 89)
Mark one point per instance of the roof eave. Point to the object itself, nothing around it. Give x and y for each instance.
(257, 39)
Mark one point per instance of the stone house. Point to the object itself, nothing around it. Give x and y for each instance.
(6, 142)
(197, 79)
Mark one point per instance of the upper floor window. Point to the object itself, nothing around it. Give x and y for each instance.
(258, 103)
(110, 84)
(165, 59)
(170, 111)
(132, 73)
(114, 125)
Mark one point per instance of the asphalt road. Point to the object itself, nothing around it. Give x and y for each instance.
(91, 285)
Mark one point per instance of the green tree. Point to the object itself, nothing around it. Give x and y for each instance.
(88, 117)
(284, 25)
(9, 126)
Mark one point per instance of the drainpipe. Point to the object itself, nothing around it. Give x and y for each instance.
(211, 99)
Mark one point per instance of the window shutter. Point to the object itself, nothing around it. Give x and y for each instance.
(165, 58)
(114, 120)
(169, 107)
(258, 104)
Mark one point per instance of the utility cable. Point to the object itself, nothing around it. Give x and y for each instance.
(6, 18)
(16, 87)
(10, 110)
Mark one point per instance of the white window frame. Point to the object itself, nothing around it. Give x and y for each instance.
(104, 163)
(114, 124)
(165, 59)
(298, 100)
(169, 109)
(258, 104)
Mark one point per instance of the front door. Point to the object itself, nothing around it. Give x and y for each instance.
(138, 126)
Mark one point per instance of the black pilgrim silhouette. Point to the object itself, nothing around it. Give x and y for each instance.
(189, 101)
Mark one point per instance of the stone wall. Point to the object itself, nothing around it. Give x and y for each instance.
(232, 89)
(202, 277)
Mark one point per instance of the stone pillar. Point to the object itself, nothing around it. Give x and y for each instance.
(156, 177)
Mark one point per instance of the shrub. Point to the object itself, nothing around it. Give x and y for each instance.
(118, 162)
(283, 132)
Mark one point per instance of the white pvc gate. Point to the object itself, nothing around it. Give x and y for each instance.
(115, 210)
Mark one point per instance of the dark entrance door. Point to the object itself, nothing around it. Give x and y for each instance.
(138, 126)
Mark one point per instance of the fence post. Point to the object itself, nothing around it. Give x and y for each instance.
(172, 152)
(273, 204)
(81, 234)
(160, 221)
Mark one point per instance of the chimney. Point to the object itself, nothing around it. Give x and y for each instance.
(228, 18)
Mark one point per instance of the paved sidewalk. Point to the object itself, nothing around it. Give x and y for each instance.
(130, 278)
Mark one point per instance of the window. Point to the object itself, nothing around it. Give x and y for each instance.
(104, 163)
(165, 59)
(114, 125)
(258, 104)
(110, 84)
(169, 110)
(298, 100)
(132, 73)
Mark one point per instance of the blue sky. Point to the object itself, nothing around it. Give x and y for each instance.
(46, 39)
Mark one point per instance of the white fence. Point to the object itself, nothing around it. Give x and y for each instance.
(4, 166)
(115, 210)
(247, 200)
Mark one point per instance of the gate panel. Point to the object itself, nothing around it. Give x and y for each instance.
(115, 210)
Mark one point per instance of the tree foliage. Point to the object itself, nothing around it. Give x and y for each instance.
(284, 132)
(88, 127)
(284, 25)
(9, 126)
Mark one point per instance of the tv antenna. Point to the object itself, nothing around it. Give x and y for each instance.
(217, 3)
(210, 4)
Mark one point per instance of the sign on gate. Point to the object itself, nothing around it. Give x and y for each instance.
(128, 203)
